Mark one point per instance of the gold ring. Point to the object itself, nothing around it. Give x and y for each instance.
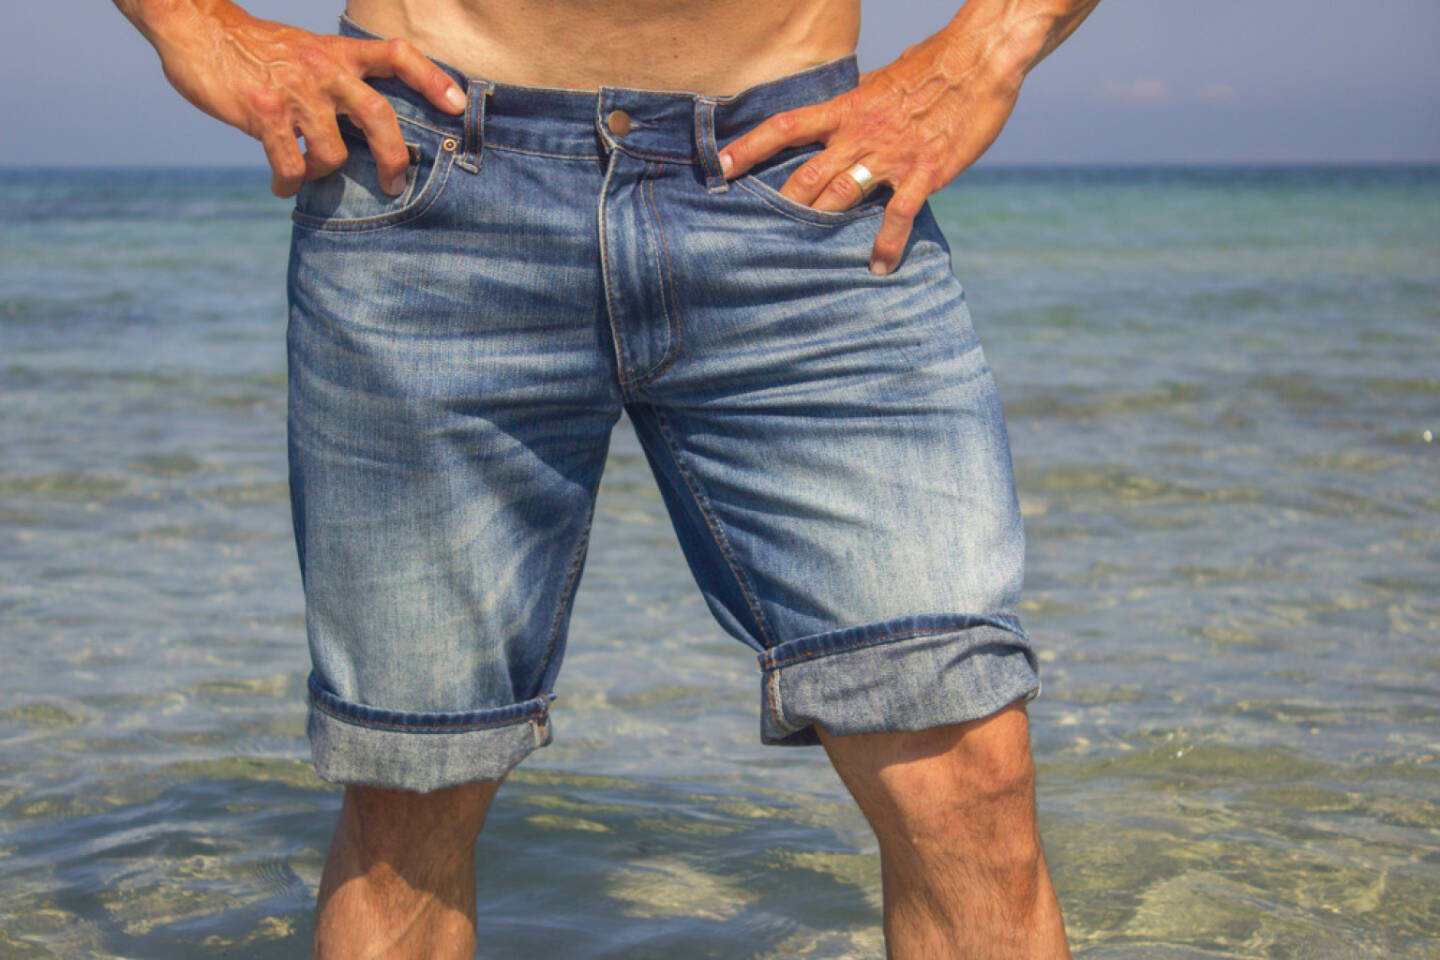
(862, 176)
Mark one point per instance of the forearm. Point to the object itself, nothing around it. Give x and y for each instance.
(169, 23)
(1012, 36)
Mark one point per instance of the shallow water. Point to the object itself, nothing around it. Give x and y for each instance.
(1219, 384)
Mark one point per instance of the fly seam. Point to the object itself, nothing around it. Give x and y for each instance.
(672, 351)
(605, 279)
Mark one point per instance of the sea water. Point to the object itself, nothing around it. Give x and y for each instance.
(1223, 392)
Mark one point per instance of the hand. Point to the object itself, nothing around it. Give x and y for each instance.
(915, 123)
(277, 82)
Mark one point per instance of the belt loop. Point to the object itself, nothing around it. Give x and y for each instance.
(479, 92)
(705, 146)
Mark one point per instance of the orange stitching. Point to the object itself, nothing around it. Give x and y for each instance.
(672, 353)
(870, 641)
(493, 145)
(774, 704)
(658, 158)
(733, 98)
(707, 134)
(418, 208)
(605, 279)
(422, 124)
(839, 219)
(443, 728)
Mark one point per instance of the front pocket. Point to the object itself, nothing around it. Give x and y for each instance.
(766, 178)
(351, 198)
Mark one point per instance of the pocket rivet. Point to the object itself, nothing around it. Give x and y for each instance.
(449, 145)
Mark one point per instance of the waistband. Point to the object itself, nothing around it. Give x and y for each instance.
(665, 125)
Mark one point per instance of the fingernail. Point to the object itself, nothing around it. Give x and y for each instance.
(455, 97)
(726, 164)
(397, 184)
(879, 267)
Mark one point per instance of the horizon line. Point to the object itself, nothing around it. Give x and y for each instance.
(1259, 162)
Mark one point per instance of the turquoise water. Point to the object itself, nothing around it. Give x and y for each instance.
(1223, 389)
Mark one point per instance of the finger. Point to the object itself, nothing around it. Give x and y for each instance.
(373, 114)
(400, 58)
(805, 125)
(287, 166)
(900, 214)
(813, 177)
(324, 149)
(842, 191)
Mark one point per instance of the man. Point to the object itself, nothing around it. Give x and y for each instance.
(668, 208)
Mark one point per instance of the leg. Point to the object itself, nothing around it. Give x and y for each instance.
(450, 409)
(400, 879)
(954, 810)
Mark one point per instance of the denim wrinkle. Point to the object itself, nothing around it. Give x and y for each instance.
(828, 443)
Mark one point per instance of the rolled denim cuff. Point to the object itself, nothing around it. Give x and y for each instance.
(904, 675)
(356, 744)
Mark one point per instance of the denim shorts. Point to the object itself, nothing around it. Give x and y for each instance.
(828, 442)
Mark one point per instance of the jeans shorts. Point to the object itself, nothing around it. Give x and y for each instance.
(828, 442)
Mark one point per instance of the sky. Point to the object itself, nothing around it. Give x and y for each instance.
(1141, 81)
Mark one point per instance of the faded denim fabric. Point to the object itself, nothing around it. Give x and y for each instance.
(828, 442)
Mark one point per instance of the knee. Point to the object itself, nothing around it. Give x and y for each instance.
(986, 798)
(998, 777)
(979, 806)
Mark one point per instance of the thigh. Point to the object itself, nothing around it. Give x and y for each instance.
(449, 413)
(845, 433)
(834, 454)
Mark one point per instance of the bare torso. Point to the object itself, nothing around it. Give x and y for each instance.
(716, 47)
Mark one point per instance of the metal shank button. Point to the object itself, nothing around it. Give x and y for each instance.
(619, 122)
